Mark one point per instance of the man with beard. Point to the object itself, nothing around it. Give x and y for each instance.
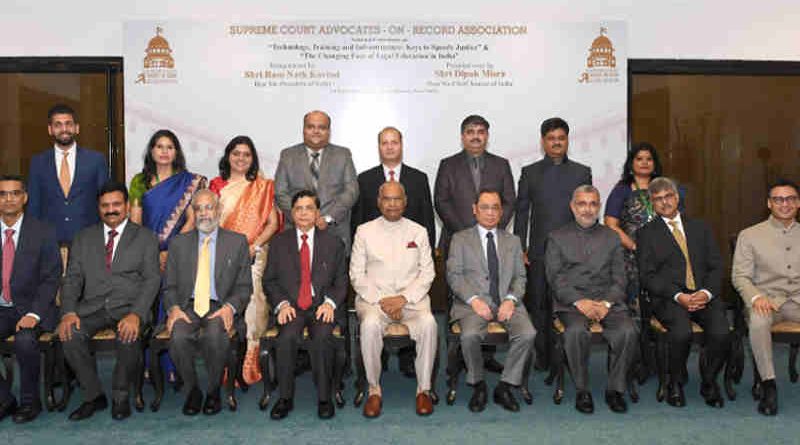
(205, 304)
(63, 181)
(586, 270)
(111, 282)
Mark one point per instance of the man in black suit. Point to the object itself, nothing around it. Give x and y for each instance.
(306, 281)
(111, 282)
(681, 269)
(29, 276)
(458, 181)
(545, 190)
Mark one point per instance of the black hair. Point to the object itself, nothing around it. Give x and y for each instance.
(474, 119)
(627, 169)
(61, 109)
(225, 162)
(111, 186)
(554, 123)
(306, 194)
(149, 169)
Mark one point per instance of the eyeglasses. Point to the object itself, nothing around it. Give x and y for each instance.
(658, 200)
(780, 200)
(488, 207)
(11, 194)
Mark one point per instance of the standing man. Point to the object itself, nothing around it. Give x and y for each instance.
(545, 190)
(207, 288)
(486, 272)
(63, 182)
(392, 270)
(306, 280)
(766, 273)
(680, 267)
(324, 168)
(586, 270)
(458, 181)
(30, 273)
(111, 282)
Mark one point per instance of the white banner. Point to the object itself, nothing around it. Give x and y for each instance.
(210, 81)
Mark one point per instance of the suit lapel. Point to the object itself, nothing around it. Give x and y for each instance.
(303, 161)
(467, 171)
(478, 246)
(294, 252)
(80, 168)
(316, 260)
(193, 256)
(220, 257)
(124, 241)
(51, 161)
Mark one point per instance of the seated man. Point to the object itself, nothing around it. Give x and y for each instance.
(681, 269)
(306, 280)
(111, 282)
(208, 285)
(30, 274)
(585, 268)
(486, 272)
(766, 273)
(392, 270)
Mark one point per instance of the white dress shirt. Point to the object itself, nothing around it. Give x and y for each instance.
(71, 156)
(120, 228)
(396, 172)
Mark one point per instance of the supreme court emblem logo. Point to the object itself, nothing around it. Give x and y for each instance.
(601, 63)
(158, 64)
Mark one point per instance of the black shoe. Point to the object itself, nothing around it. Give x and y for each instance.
(492, 365)
(584, 402)
(503, 397)
(26, 413)
(325, 410)
(193, 402)
(477, 402)
(768, 405)
(405, 359)
(281, 409)
(711, 394)
(212, 404)
(87, 409)
(675, 395)
(120, 409)
(616, 402)
(8, 408)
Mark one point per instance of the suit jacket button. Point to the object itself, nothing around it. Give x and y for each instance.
(66, 219)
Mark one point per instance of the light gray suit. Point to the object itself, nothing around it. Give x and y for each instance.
(468, 276)
(337, 185)
(233, 284)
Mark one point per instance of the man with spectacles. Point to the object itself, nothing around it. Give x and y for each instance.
(680, 267)
(766, 273)
(29, 275)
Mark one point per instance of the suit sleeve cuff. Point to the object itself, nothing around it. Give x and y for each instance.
(675, 297)
(31, 314)
(753, 300)
(330, 302)
(233, 308)
(512, 298)
(708, 294)
(281, 305)
(469, 300)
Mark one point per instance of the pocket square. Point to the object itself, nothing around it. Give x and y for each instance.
(411, 245)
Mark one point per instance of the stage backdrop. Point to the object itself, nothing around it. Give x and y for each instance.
(210, 81)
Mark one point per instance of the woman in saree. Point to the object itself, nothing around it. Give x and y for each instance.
(160, 197)
(247, 199)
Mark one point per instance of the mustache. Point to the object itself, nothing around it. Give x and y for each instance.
(111, 214)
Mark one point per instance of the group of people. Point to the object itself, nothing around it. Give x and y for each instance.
(209, 263)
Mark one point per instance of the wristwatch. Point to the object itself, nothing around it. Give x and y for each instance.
(607, 304)
(329, 219)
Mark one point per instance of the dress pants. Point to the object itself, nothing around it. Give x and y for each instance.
(206, 337)
(761, 335)
(129, 358)
(320, 351)
(26, 350)
(677, 320)
(521, 334)
(422, 329)
(620, 333)
(540, 306)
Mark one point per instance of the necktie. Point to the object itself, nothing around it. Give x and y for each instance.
(304, 299)
(110, 249)
(315, 169)
(476, 172)
(494, 267)
(391, 175)
(681, 240)
(202, 283)
(63, 175)
(8, 262)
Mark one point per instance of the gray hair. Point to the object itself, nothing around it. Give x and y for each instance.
(660, 184)
(402, 187)
(585, 188)
(208, 192)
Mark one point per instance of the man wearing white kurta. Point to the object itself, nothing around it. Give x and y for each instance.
(391, 270)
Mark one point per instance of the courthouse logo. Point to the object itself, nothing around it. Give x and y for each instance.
(159, 66)
(601, 65)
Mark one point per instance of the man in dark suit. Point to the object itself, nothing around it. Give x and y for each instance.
(30, 273)
(63, 181)
(545, 190)
(306, 281)
(324, 168)
(681, 269)
(392, 168)
(458, 181)
(207, 288)
(111, 282)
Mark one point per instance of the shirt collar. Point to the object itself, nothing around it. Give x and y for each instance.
(779, 225)
(70, 151)
(310, 234)
(120, 228)
(677, 218)
(550, 160)
(587, 229)
(310, 152)
(213, 235)
(17, 225)
(483, 231)
(396, 170)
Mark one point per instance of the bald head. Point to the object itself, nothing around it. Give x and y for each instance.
(316, 129)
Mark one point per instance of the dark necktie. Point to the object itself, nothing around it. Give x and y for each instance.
(8, 263)
(494, 267)
(476, 172)
(110, 249)
(391, 175)
(315, 169)
(304, 299)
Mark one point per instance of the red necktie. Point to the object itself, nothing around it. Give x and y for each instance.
(8, 262)
(110, 249)
(304, 299)
(391, 175)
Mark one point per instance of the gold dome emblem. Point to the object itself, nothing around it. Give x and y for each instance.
(601, 54)
(159, 54)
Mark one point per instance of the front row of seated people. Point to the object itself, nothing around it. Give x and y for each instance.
(112, 279)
